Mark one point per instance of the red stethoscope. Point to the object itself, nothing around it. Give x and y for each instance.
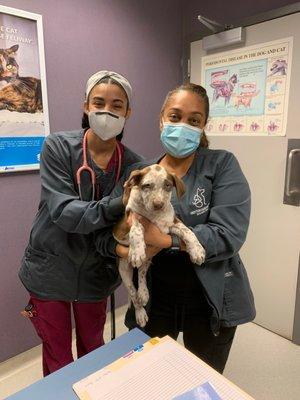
(87, 168)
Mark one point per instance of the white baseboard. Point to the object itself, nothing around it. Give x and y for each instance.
(24, 369)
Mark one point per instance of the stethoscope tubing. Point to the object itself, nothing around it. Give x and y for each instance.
(87, 168)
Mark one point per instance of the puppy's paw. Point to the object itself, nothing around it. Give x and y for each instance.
(197, 253)
(143, 295)
(137, 256)
(141, 316)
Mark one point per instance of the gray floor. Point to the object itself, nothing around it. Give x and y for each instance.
(261, 363)
(265, 365)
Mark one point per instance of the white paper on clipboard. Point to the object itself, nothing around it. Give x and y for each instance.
(161, 369)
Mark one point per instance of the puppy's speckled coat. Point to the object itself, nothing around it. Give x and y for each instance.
(148, 193)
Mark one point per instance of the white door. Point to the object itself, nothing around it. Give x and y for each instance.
(271, 252)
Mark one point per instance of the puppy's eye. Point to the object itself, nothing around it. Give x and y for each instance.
(146, 186)
(168, 186)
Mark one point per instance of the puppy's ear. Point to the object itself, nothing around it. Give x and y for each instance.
(179, 185)
(133, 180)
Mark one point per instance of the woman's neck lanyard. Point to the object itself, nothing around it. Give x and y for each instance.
(87, 168)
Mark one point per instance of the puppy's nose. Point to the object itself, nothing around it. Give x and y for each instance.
(158, 205)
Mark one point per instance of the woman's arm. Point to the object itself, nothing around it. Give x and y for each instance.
(107, 245)
(225, 231)
(66, 209)
(122, 251)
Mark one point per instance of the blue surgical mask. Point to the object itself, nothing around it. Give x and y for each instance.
(179, 139)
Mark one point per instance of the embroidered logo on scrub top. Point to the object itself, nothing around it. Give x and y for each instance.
(199, 202)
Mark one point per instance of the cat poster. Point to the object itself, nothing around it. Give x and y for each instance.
(24, 121)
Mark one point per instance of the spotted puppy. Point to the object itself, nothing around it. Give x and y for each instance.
(148, 192)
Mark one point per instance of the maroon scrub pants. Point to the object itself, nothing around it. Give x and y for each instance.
(52, 322)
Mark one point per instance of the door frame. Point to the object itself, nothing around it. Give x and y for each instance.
(247, 22)
(244, 22)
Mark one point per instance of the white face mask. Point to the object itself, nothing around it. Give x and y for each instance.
(105, 124)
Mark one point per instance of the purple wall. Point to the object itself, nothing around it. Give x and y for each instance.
(143, 40)
(81, 37)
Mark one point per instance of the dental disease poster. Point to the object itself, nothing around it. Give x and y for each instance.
(248, 89)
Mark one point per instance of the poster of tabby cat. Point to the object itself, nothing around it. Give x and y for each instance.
(24, 121)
